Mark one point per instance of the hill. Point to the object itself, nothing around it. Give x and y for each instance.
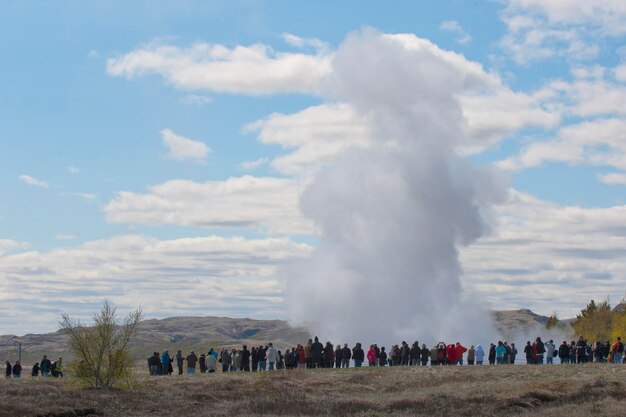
(198, 333)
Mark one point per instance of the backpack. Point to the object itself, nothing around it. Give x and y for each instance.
(555, 353)
(620, 347)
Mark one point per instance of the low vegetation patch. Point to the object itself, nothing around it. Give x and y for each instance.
(591, 389)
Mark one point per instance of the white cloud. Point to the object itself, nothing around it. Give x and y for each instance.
(168, 277)
(73, 170)
(299, 42)
(255, 69)
(86, 196)
(183, 149)
(539, 251)
(8, 244)
(314, 136)
(196, 100)
(453, 26)
(620, 73)
(539, 29)
(600, 142)
(252, 165)
(268, 204)
(27, 179)
(614, 178)
(93, 54)
(65, 237)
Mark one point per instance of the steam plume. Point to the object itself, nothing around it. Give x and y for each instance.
(393, 216)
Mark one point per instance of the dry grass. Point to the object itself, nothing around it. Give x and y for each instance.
(571, 390)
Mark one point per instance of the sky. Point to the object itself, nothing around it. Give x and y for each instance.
(155, 153)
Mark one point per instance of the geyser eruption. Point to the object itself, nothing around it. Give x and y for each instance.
(393, 216)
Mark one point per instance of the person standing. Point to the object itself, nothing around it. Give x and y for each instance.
(35, 371)
(225, 359)
(371, 356)
(471, 354)
(211, 361)
(564, 352)
(329, 355)
(245, 359)
(202, 363)
(166, 362)
(541, 350)
(618, 350)
(307, 353)
(416, 353)
(316, 353)
(179, 362)
(17, 370)
(550, 349)
(192, 359)
(9, 370)
(425, 354)
(271, 356)
(358, 355)
(338, 357)
(513, 353)
(346, 355)
(459, 350)
(260, 352)
(500, 351)
(45, 366)
(301, 357)
(480, 355)
(492, 354)
(254, 355)
(382, 357)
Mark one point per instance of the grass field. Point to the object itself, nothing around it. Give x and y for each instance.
(559, 390)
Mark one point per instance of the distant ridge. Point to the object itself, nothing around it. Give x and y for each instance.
(200, 333)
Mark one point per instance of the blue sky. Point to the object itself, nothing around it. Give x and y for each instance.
(79, 125)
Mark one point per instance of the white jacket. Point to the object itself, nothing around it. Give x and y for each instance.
(271, 354)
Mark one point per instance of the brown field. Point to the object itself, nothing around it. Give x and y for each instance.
(559, 390)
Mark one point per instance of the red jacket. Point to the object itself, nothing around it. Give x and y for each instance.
(301, 356)
(450, 354)
(371, 355)
(460, 350)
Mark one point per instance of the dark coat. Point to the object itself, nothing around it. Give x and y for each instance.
(316, 350)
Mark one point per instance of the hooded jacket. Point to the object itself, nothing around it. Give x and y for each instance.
(480, 353)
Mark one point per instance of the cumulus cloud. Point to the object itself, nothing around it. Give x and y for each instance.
(168, 277)
(453, 26)
(254, 69)
(262, 203)
(539, 250)
(314, 136)
(181, 148)
(598, 142)
(9, 244)
(540, 29)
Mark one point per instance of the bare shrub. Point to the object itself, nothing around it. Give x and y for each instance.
(102, 357)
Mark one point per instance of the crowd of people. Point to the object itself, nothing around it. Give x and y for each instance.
(46, 368)
(314, 354)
